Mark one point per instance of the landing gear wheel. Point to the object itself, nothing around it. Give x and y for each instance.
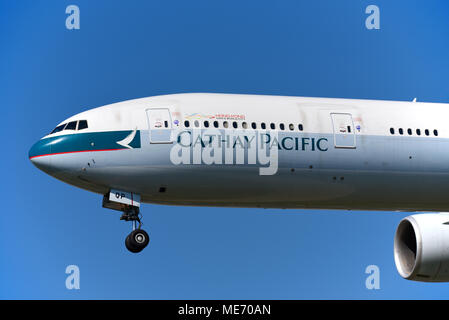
(137, 240)
(129, 246)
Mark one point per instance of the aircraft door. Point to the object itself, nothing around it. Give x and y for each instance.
(159, 125)
(344, 133)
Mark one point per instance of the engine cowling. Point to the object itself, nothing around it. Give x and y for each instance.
(421, 247)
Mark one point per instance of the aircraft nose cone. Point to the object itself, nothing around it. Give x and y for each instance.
(38, 155)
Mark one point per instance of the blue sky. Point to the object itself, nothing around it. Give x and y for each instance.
(132, 49)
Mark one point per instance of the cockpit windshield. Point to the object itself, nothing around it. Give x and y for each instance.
(59, 128)
(73, 125)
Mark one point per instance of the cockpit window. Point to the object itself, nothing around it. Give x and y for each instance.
(82, 124)
(59, 128)
(71, 126)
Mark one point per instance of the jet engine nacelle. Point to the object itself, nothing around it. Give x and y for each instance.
(421, 247)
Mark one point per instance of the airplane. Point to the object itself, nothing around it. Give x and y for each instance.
(260, 151)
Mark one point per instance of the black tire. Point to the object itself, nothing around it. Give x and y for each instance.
(130, 246)
(138, 239)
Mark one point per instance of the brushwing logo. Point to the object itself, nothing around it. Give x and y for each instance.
(125, 142)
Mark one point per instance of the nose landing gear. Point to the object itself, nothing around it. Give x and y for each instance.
(129, 204)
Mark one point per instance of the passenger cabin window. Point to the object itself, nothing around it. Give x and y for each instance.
(417, 131)
(82, 124)
(235, 124)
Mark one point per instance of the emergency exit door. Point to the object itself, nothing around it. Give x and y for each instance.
(344, 133)
(160, 125)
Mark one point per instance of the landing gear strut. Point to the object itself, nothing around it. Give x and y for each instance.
(129, 204)
(138, 239)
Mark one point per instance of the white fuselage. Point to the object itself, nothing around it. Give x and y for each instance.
(325, 153)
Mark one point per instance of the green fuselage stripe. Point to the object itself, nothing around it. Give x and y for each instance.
(79, 142)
